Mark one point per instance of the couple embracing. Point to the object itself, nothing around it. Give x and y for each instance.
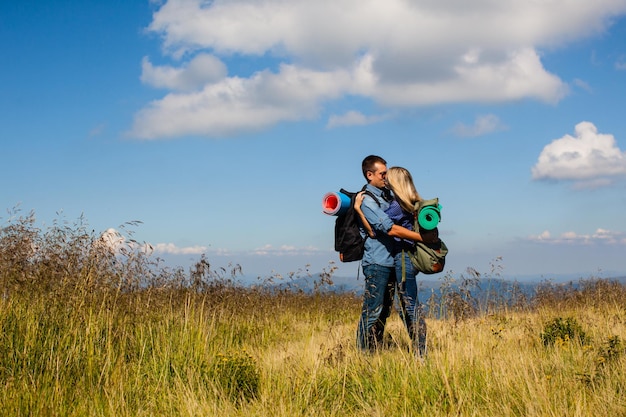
(387, 220)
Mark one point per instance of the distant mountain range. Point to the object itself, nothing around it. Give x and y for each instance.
(428, 284)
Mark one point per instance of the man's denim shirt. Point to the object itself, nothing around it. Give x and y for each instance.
(378, 249)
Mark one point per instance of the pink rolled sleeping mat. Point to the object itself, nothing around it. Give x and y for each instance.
(335, 203)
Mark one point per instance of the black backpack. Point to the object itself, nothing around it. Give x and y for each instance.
(348, 240)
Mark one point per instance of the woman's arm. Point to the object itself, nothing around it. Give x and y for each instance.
(404, 233)
(357, 207)
(396, 230)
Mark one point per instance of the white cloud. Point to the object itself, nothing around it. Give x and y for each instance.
(483, 125)
(111, 239)
(201, 70)
(516, 75)
(599, 236)
(330, 31)
(589, 159)
(583, 85)
(395, 53)
(114, 240)
(236, 105)
(170, 248)
(353, 118)
(544, 236)
(284, 250)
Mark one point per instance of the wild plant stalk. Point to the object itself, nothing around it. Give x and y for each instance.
(85, 332)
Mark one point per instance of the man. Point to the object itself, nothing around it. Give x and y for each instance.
(378, 262)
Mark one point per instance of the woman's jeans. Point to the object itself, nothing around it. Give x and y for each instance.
(410, 308)
(380, 283)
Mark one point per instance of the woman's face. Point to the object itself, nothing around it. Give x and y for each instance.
(390, 181)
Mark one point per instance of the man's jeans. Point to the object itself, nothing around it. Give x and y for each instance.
(380, 282)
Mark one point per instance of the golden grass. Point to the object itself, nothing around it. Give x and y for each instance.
(87, 333)
(89, 361)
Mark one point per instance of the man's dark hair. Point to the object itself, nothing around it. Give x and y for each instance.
(369, 162)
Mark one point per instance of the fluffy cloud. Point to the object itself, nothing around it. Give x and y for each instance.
(201, 70)
(284, 250)
(482, 125)
(352, 118)
(236, 105)
(111, 239)
(395, 53)
(589, 159)
(599, 236)
(114, 240)
(170, 248)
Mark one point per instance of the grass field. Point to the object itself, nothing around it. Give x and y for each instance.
(87, 331)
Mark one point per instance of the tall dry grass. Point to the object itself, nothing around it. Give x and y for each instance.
(86, 330)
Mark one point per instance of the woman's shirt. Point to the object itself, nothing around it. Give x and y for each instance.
(402, 218)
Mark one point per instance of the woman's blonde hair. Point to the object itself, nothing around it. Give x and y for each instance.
(400, 182)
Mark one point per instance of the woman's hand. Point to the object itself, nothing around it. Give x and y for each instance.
(358, 200)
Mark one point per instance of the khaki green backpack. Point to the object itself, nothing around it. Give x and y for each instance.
(428, 258)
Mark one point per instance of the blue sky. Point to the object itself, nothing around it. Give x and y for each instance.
(220, 125)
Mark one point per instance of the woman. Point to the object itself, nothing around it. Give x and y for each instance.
(401, 211)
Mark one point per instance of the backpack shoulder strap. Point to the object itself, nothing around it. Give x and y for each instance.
(371, 194)
(352, 194)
